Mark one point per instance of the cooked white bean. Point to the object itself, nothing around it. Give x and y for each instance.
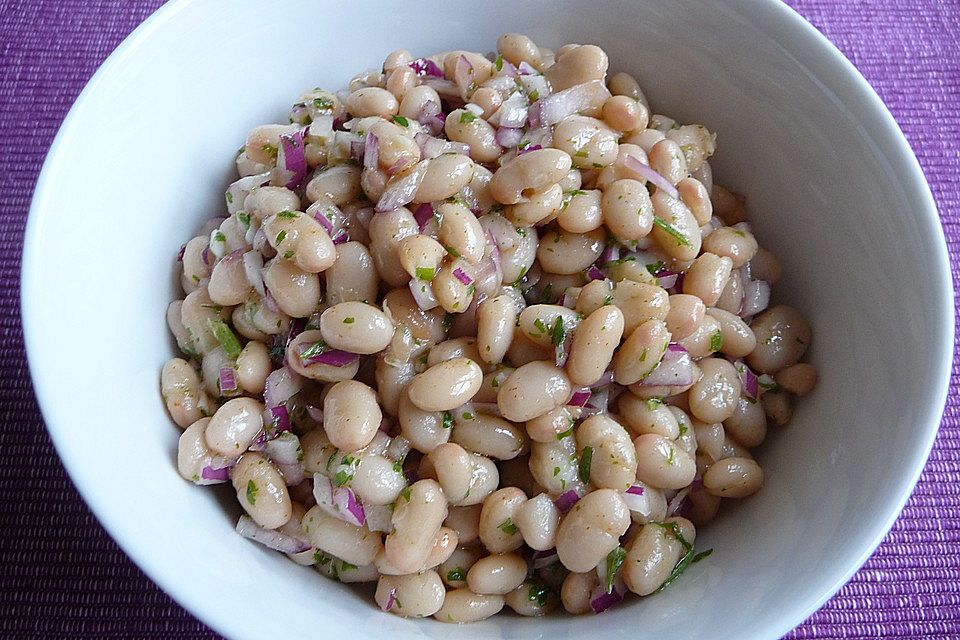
(641, 352)
(462, 605)
(592, 529)
(180, 389)
(613, 456)
(253, 367)
(234, 426)
(799, 379)
(446, 385)
(488, 435)
(783, 336)
(497, 574)
(532, 599)
(653, 553)
(528, 173)
(713, 398)
(387, 230)
(466, 522)
(498, 532)
(417, 518)
(662, 463)
(733, 478)
(593, 345)
(577, 590)
(356, 327)
(538, 519)
(261, 490)
(445, 176)
(532, 390)
(568, 253)
(351, 415)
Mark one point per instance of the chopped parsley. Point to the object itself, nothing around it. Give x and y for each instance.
(540, 325)
(689, 557)
(225, 336)
(453, 252)
(538, 593)
(614, 561)
(244, 219)
(447, 420)
(320, 558)
(447, 321)
(456, 575)
(342, 477)
(655, 267)
(565, 434)
(583, 468)
(556, 471)
(508, 527)
(581, 154)
(323, 104)
(671, 231)
(270, 150)
(315, 349)
(653, 403)
(281, 236)
(467, 117)
(716, 341)
(288, 254)
(498, 63)
(426, 273)
(219, 237)
(400, 120)
(252, 492)
(557, 333)
(349, 320)
(229, 197)
(670, 457)
(405, 494)
(547, 294)
(288, 215)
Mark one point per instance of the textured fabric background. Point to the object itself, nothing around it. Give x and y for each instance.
(62, 576)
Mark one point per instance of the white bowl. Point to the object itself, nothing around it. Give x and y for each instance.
(834, 190)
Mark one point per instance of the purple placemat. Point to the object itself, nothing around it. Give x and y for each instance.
(62, 576)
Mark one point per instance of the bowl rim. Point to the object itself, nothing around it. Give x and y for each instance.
(814, 44)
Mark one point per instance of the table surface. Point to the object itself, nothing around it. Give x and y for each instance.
(62, 576)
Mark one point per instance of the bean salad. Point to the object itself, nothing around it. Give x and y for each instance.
(481, 330)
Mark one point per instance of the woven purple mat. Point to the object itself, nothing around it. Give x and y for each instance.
(62, 576)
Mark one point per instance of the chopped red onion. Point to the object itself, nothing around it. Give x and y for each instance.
(509, 138)
(611, 253)
(397, 167)
(280, 386)
(675, 369)
(475, 109)
(315, 413)
(748, 380)
(463, 73)
(339, 502)
(228, 380)
(291, 159)
(239, 190)
(462, 277)
(269, 302)
(426, 67)
(324, 222)
(600, 600)
(285, 448)
(604, 380)
(321, 129)
(379, 517)
(562, 351)
(543, 559)
(567, 500)
(568, 300)
(371, 151)
(756, 297)
(391, 598)
(580, 397)
(280, 418)
(677, 501)
(432, 147)
(534, 85)
(423, 214)
(526, 69)
(594, 273)
(668, 281)
(330, 357)
(221, 475)
(341, 236)
(528, 149)
(598, 403)
(183, 249)
(293, 474)
(635, 490)
(275, 540)
(633, 164)
(552, 109)
(422, 292)
(401, 189)
(513, 112)
(507, 69)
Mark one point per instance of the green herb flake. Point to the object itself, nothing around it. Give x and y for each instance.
(225, 336)
(581, 154)
(466, 117)
(270, 150)
(323, 104)
(546, 296)
(453, 252)
(608, 300)
(498, 63)
(229, 197)
(683, 427)
(400, 120)
(447, 322)
(467, 415)
(398, 466)
(655, 267)
(716, 341)
(244, 219)
(565, 434)
(405, 494)
(671, 457)
(342, 477)
(614, 561)
(672, 231)
(349, 320)
(558, 334)
(320, 558)
(346, 566)
(281, 236)
(288, 215)
(690, 556)
(540, 326)
(521, 232)
(252, 492)
(653, 403)
(288, 254)
(583, 468)
(539, 593)
(315, 349)
(456, 575)
(534, 96)
(508, 527)
(556, 471)
(219, 237)
(447, 420)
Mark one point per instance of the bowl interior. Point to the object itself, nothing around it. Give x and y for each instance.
(147, 151)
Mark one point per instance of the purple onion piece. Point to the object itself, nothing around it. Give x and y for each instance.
(633, 164)
(567, 500)
(579, 398)
(209, 473)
